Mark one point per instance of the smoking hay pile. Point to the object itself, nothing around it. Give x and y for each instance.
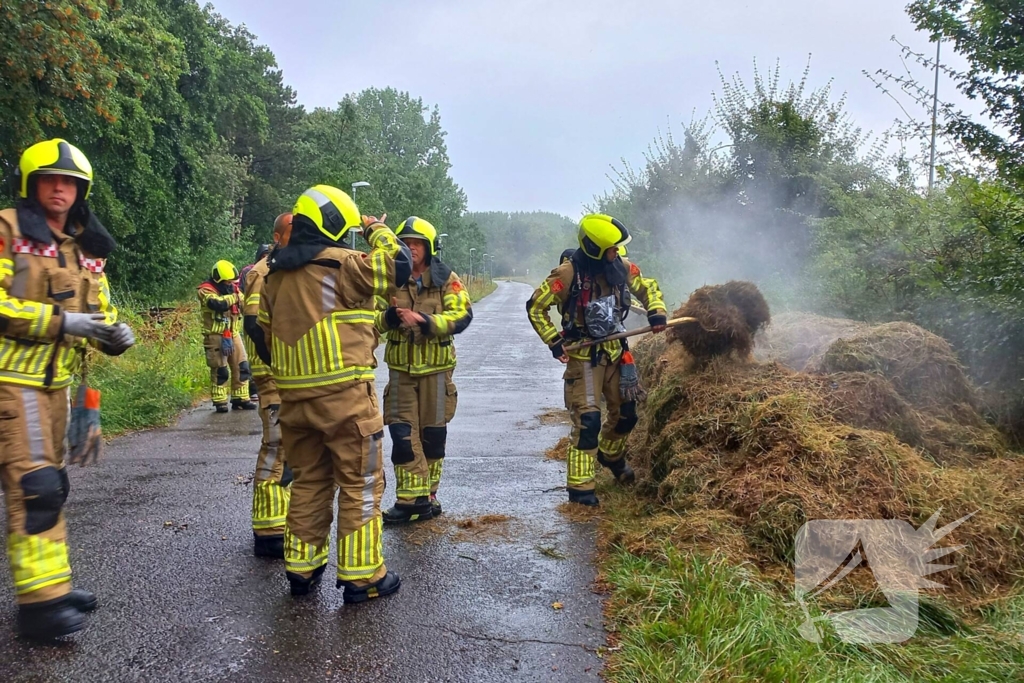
(878, 423)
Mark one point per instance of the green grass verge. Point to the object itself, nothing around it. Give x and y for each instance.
(478, 288)
(679, 614)
(163, 374)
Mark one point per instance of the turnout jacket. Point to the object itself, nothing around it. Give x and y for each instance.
(556, 291)
(252, 285)
(318, 319)
(429, 347)
(220, 312)
(44, 275)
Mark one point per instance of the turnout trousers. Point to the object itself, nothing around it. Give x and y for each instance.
(585, 385)
(33, 441)
(333, 444)
(225, 369)
(270, 492)
(417, 410)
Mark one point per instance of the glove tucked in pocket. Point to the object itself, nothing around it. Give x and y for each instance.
(85, 438)
(227, 344)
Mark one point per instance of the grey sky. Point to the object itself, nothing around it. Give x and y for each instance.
(539, 97)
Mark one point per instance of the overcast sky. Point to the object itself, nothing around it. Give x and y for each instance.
(540, 97)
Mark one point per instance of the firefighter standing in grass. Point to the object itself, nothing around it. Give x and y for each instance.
(270, 492)
(592, 292)
(53, 298)
(420, 399)
(220, 303)
(317, 313)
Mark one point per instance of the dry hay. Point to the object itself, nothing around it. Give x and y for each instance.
(760, 449)
(482, 529)
(560, 451)
(798, 340)
(728, 317)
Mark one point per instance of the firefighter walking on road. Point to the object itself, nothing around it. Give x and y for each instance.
(317, 313)
(420, 398)
(270, 492)
(54, 302)
(220, 303)
(592, 292)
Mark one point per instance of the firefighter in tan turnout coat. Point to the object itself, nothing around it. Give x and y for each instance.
(317, 313)
(54, 301)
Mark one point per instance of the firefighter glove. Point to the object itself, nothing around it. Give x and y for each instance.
(657, 320)
(227, 345)
(558, 349)
(88, 325)
(121, 340)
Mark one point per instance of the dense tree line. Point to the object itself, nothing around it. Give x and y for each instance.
(196, 140)
(523, 243)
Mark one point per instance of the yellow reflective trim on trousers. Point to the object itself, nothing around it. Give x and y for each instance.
(300, 557)
(408, 484)
(37, 562)
(579, 467)
(361, 553)
(612, 446)
(269, 505)
(436, 467)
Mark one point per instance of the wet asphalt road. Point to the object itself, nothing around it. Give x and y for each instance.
(160, 530)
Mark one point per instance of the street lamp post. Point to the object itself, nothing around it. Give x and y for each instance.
(471, 250)
(355, 186)
(439, 242)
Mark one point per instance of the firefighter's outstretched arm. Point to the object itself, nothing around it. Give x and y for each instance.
(457, 312)
(552, 292)
(386, 268)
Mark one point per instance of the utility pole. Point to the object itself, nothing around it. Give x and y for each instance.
(935, 115)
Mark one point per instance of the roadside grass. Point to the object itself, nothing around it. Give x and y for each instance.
(479, 287)
(683, 612)
(163, 374)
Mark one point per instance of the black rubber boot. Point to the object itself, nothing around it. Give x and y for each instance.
(304, 586)
(583, 498)
(82, 600)
(620, 469)
(386, 586)
(268, 546)
(221, 407)
(419, 511)
(239, 404)
(435, 506)
(49, 620)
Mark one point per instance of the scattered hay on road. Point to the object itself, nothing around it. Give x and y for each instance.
(560, 451)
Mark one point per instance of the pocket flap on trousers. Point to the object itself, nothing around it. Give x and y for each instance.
(371, 426)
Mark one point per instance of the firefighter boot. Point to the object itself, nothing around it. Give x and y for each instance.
(49, 620)
(242, 404)
(583, 497)
(419, 511)
(385, 586)
(221, 407)
(268, 546)
(620, 469)
(82, 600)
(304, 586)
(435, 505)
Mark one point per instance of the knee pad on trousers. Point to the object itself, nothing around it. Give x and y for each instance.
(45, 492)
(401, 443)
(590, 431)
(434, 439)
(627, 418)
(223, 375)
(287, 477)
(244, 373)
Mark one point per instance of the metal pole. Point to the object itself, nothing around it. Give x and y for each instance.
(354, 188)
(935, 115)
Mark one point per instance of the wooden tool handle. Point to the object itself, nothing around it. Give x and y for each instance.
(623, 335)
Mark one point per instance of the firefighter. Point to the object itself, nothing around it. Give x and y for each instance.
(317, 313)
(270, 492)
(220, 303)
(54, 302)
(592, 292)
(420, 398)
